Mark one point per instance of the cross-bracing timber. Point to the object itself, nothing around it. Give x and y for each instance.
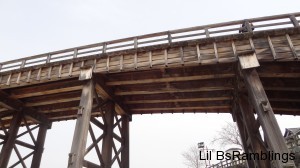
(185, 70)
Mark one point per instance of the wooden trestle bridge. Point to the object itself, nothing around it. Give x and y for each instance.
(240, 67)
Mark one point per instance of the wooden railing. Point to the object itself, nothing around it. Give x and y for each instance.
(166, 37)
(229, 163)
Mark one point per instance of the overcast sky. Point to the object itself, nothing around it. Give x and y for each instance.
(34, 27)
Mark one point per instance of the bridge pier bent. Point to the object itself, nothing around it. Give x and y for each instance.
(256, 100)
(113, 127)
(11, 142)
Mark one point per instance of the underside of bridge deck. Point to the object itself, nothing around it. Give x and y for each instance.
(186, 89)
(241, 73)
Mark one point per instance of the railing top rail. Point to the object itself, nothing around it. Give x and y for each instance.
(119, 43)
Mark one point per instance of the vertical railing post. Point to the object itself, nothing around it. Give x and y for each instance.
(135, 42)
(248, 26)
(48, 58)
(294, 21)
(75, 53)
(104, 46)
(23, 63)
(169, 38)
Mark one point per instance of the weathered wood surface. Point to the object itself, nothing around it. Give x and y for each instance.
(182, 75)
(189, 53)
(166, 37)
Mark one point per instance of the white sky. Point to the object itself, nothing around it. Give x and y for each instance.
(34, 27)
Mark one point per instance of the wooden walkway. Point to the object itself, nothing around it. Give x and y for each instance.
(179, 71)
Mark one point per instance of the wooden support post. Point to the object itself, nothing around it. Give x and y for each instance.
(125, 137)
(82, 126)
(252, 131)
(107, 145)
(37, 155)
(266, 115)
(10, 143)
(244, 137)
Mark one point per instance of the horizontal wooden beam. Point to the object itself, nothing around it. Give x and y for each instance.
(279, 75)
(181, 108)
(107, 93)
(186, 95)
(181, 104)
(10, 103)
(18, 106)
(169, 79)
(170, 90)
(37, 116)
(177, 100)
(178, 85)
(46, 89)
(53, 98)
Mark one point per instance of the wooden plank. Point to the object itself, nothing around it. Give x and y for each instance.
(198, 53)
(216, 51)
(177, 100)
(49, 73)
(181, 56)
(150, 58)
(107, 63)
(121, 62)
(181, 104)
(71, 69)
(272, 48)
(169, 79)
(8, 80)
(234, 50)
(52, 99)
(185, 95)
(170, 90)
(59, 70)
(18, 78)
(135, 61)
(181, 108)
(38, 76)
(48, 88)
(252, 44)
(166, 57)
(288, 38)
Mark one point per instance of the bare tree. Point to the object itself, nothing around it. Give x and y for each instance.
(228, 135)
(191, 157)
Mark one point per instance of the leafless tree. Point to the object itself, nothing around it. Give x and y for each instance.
(228, 135)
(191, 157)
